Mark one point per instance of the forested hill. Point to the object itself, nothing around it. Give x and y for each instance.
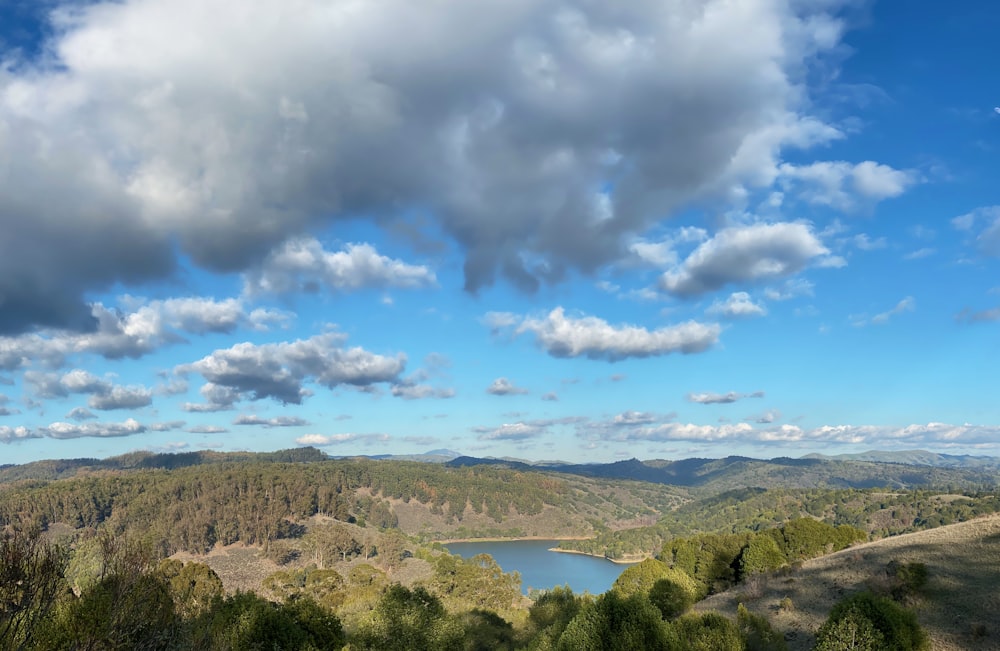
(211, 500)
(64, 468)
(902, 469)
(717, 475)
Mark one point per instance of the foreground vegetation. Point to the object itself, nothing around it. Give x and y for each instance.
(338, 553)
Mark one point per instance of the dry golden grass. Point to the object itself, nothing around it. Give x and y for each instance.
(959, 608)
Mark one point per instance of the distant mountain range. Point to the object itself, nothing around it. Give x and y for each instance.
(903, 469)
(892, 469)
(916, 458)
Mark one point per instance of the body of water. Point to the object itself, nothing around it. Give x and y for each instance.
(542, 569)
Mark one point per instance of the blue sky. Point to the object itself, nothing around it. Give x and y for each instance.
(547, 230)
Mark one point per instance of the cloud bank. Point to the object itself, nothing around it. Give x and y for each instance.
(179, 134)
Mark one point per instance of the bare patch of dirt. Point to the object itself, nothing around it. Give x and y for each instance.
(240, 567)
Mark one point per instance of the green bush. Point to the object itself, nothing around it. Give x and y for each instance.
(757, 631)
(761, 554)
(614, 623)
(674, 595)
(708, 632)
(897, 626)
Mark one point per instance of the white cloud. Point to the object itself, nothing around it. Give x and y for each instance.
(181, 135)
(919, 254)
(217, 398)
(277, 421)
(301, 264)
(206, 429)
(594, 338)
(121, 397)
(10, 434)
(138, 328)
(339, 439)
(168, 426)
(103, 394)
(768, 417)
(279, 370)
(842, 185)
(791, 288)
(907, 304)
(100, 430)
(986, 221)
(683, 432)
(745, 254)
(883, 437)
(504, 387)
(865, 243)
(633, 418)
(421, 391)
(739, 305)
(511, 432)
(721, 398)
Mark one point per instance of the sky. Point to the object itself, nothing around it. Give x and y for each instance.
(549, 230)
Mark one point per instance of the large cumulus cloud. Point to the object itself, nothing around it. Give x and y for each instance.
(219, 130)
(280, 370)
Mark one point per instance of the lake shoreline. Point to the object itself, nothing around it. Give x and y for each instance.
(449, 541)
(540, 569)
(577, 551)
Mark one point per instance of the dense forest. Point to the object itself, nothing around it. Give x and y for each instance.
(90, 548)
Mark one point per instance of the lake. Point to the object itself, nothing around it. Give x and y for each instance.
(542, 569)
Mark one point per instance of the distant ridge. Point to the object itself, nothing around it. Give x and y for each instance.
(915, 458)
(875, 469)
(741, 472)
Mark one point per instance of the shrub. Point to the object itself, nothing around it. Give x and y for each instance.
(614, 623)
(910, 579)
(674, 595)
(761, 554)
(708, 632)
(852, 632)
(897, 626)
(757, 631)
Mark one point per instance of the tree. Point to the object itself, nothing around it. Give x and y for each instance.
(549, 616)
(326, 542)
(391, 549)
(247, 622)
(852, 632)
(409, 620)
(31, 573)
(639, 578)
(757, 631)
(897, 626)
(193, 586)
(484, 630)
(616, 623)
(120, 611)
(760, 555)
(708, 632)
(674, 595)
(326, 587)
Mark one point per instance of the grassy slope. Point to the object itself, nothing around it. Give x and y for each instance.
(962, 595)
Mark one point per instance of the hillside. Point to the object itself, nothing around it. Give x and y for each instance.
(710, 476)
(915, 458)
(194, 506)
(957, 609)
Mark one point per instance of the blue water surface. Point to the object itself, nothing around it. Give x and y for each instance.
(542, 569)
